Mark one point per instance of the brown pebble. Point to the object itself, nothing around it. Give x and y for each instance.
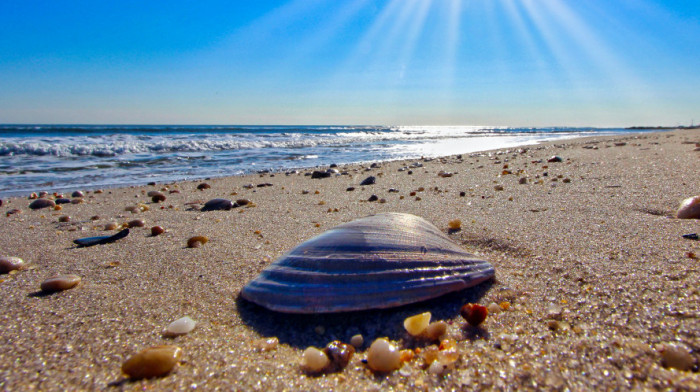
(136, 223)
(242, 202)
(110, 226)
(42, 203)
(152, 362)
(60, 283)
(77, 201)
(9, 263)
(64, 218)
(203, 186)
(689, 208)
(339, 353)
(158, 198)
(197, 241)
(77, 194)
(475, 314)
(157, 230)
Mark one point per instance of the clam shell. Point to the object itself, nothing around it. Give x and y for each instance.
(380, 261)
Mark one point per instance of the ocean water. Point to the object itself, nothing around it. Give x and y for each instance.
(62, 157)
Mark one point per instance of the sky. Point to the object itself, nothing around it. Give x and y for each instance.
(361, 62)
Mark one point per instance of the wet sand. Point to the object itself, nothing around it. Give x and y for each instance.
(587, 253)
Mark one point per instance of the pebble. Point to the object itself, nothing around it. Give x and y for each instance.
(357, 340)
(416, 325)
(676, 356)
(132, 209)
(217, 205)
(314, 360)
(136, 223)
(436, 330)
(77, 194)
(77, 200)
(111, 226)
(455, 224)
(475, 314)
(42, 203)
(157, 230)
(152, 362)
(180, 326)
(383, 356)
(554, 159)
(62, 200)
(158, 198)
(203, 186)
(60, 283)
(242, 202)
(371, 180)
(373, 198)
(9, 263)
(197, 241)
(320, 174)
(339, 353)
(689, 208)
(265, 345)
(494, 308)
(64, 218)
(153, 193)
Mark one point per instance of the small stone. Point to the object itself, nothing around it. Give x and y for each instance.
(474, 314)
(522, 180)
(676, 356)
(350, 189)
(455, 225)
(314, 360)
(136, 223)
(77, 194)
(111, 226)
(132, 209)
(62, 201)
(689, 208)
(60, 283)
(554, 159)
(77, 200)
(203, 186)
(416, 325)
(9, 263)
(373, 198)
(242, 202)
(436, 368)
(218, 205)
(153, 193)
(152, 362)
(265, 345)
(180, 326)
(494, 308)
(436, 330)
(320, 174)
(498, 188)
(64, 218)
(553, 325)
(197, 241)
(42, 203)
(158, 198)
(371, 180)
(157, 230)
(339, 353)
(357, 341)
(383, 356)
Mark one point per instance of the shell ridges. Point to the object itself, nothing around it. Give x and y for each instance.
(380, 261)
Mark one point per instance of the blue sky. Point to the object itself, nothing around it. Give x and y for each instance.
(394, 62)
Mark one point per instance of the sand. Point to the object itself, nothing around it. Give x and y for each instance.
(587, 253)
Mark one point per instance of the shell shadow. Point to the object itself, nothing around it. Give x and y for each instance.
(303, 330)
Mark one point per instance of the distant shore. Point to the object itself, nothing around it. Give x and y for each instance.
(596, 284)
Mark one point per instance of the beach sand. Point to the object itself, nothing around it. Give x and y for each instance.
(587, 253)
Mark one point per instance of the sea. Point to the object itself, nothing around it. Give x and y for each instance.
(58, 158)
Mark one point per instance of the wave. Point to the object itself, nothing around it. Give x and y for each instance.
(118, 144)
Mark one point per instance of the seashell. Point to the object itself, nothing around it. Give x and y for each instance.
(380, 261)
(90, 241)
(218, 204)
(689, 208)
(42, 203)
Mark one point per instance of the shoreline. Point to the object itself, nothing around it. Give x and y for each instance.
(595, 270)
(87, 187)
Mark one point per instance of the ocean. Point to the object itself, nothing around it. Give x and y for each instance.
(69, 157)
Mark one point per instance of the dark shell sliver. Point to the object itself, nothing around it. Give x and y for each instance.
(380, 261)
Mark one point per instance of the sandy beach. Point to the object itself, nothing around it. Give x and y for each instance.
(598, 282)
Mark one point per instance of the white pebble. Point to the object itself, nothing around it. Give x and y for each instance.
(314, 360)
(180, 327)
(415, 325)
(383, 356)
